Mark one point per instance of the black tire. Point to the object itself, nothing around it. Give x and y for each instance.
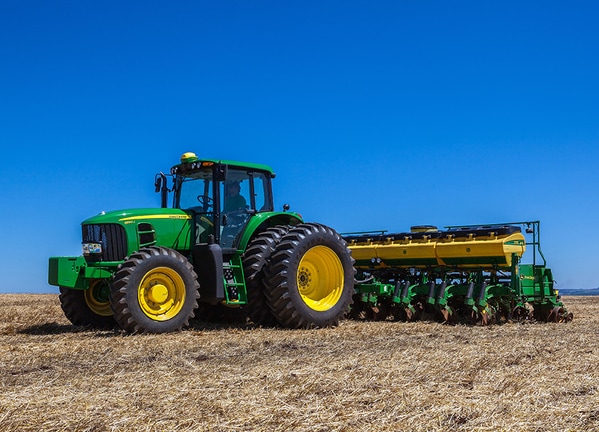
(309, 279)
(255, 258)
(90, 307)
(154, 291)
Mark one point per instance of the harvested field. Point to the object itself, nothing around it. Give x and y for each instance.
(360, 376)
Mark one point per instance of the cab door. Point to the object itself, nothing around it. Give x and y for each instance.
(235, 206)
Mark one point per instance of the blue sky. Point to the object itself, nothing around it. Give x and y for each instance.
(375, 115)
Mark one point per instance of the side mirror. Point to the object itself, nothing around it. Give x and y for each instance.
(160, 185)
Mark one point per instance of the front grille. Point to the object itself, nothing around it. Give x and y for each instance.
(112, 237)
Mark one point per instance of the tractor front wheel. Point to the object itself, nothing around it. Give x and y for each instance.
(90, 307)
(309, 279)
(154, 291)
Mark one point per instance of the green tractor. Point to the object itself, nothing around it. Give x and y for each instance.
(220, 245)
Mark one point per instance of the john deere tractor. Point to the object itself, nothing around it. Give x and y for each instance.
(220, 244)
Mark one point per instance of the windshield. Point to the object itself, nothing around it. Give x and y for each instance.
(196, 192)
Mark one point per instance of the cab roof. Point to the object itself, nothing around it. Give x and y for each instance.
(190, 162)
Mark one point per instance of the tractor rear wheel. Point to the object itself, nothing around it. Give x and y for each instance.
(90, 307)
(310, 277)
(154, 291)
(256, 257)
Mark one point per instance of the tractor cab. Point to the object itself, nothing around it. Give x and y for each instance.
(221, 197)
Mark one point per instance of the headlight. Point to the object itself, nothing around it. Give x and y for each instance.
(91, 248)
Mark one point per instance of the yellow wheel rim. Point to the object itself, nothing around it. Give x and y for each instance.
(161, 293)
(97, 297)
(320, 278)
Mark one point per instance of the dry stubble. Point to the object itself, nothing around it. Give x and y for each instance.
(360, 376)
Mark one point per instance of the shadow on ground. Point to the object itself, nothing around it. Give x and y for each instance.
(54, 328)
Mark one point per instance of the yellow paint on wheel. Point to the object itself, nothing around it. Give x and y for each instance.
(158, 293)
(97, 298)
(320, 278)
(161, 293)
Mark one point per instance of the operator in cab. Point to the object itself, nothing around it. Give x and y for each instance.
(234, 201)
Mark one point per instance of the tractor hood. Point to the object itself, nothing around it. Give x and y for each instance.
(130, 216)
(119, 233)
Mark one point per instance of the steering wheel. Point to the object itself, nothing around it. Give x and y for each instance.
(205, 201)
